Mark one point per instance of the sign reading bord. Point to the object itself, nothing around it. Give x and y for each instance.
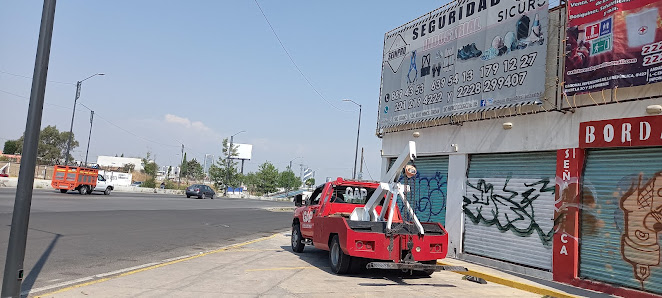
(625, 132)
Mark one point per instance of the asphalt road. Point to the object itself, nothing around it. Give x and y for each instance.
(72, 236)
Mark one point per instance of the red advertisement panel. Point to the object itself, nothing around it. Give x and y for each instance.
(625, 132)
(612, 43)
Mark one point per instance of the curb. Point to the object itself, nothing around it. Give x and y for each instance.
(513, 284)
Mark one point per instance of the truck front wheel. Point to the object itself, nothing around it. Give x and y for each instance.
(339, 260)
(297, 240)
(63, 190)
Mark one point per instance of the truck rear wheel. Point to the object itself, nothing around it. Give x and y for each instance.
(426, 272)
(297, 240)
(107, 191)
(83, 190)
(339, 260)
(63, 190)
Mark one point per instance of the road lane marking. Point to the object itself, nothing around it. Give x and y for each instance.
(137, 269)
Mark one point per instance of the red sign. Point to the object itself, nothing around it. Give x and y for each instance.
(569, 164)
(625, 132)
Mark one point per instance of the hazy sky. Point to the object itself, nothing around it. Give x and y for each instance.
(195, 72)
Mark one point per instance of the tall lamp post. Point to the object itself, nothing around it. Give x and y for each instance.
(227, 168)
(71, 128)
(358, 131)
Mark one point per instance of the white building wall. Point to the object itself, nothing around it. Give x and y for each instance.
(534, 132)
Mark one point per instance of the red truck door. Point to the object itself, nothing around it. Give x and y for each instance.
(310, 212)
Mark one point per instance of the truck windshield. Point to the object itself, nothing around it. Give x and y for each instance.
(351, 194)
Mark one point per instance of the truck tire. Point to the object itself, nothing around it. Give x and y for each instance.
(63, 190)
(297, 240)
(83, 190)
(339, 260)
(427, 272)
(107, 191)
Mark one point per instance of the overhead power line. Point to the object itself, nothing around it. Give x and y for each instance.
(294, 63)
(26, 77)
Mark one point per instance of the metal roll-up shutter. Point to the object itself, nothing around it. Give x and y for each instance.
(429, 188)
(509, 207)
(621, 218)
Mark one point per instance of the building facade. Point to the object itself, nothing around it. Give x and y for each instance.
(568, 190)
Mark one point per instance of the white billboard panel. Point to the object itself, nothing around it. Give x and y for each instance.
(465, 57)
(244, 151)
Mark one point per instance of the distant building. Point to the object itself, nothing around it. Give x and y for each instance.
(118, 162)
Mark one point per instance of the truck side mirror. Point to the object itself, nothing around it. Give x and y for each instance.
(298, 200)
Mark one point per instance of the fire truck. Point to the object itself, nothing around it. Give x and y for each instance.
(81, 179)
(362, 224)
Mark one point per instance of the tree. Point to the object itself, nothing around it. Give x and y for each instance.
(224, 171)
(52, 146)
(128, 167)
(169, 171)
(267, 178)
(11, 147)
(288, 180)
(310, 182)
(183, 170)
(149, 168)
(194, 170)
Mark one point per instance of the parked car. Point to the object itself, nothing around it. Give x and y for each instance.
(137, 183)
(201, 191)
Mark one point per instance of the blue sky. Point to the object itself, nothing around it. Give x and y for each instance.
(195, 72)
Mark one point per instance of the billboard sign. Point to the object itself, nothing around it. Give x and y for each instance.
(612, 43)
(244, 151)
(467, 56)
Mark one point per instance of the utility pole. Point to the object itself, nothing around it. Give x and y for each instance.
(89, 136)
(13, 274)
(358, 131)
(361, 171)
(227, 168)
(181, 164)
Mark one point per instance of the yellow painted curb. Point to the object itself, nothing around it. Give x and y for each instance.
(158, 265)
(514, 284)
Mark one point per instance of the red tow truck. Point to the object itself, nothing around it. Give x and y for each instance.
(361, 225)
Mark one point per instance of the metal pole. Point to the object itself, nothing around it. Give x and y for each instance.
(361, 169)
(356, 151)
(242, 166)
(89, 136)
(227, 168)
(181, 164)
(71, 128)
(13, 274)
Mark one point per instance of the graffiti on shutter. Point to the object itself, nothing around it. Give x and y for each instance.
(642, 207)
(621, 221)
(509, 205)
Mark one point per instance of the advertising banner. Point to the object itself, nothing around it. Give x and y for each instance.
(464, 57)
(612, 43)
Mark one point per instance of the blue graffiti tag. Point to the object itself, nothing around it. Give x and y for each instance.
(429, 196)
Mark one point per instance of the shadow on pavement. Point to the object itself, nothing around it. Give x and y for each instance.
(30, 280)
(320, 259)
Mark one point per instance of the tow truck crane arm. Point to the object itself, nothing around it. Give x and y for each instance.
(390, 187)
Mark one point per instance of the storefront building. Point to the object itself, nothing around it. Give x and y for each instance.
(569, 189)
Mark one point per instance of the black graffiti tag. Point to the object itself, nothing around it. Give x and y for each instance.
(509, 209)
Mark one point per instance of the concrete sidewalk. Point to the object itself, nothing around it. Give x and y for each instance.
(268, 267)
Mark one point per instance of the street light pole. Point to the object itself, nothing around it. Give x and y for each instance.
(13, 273)
(227, 168)
(73, 114)
(358, 131)
(89, 136)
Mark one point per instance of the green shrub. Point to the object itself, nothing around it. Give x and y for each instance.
(149, 183)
